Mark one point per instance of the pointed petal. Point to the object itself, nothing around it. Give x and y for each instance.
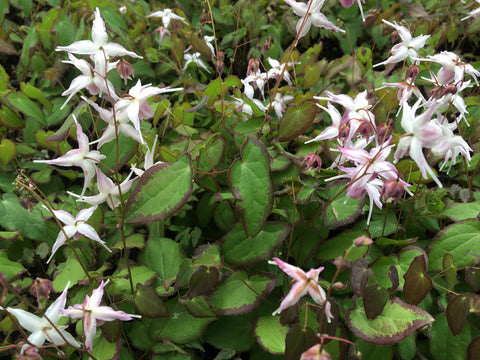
(26, 320)
(292, 271)
(85, 47)
(106, 313)
(85, 214)
(53, 312)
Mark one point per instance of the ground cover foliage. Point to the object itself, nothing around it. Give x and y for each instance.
(166, 221)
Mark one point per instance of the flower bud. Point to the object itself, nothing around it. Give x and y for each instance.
(343, 131)
(253, 66)
(362, 241)
(436, 92)
(266, 44)
(316, 353)
(392, 191)
(412, 73)
(384, 131)
(449, 89)
(41, 288)
(313, 161)
(125, 70)
(30, 353)
(219, 66)
(347, 3)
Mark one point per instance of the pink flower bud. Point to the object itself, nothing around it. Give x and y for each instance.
(253, 66)
(449, 89)
(125, 70)
(316, 353)
(347, 3)
(41, 288)
(392, 190)
(412, 73)
(384, 131)
(363, 241)
(266, 44)
(313, 161)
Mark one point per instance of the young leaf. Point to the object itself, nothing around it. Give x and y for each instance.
(398, 320)
(417, 282)
(359, 275)
(148, 303)
(374, 300)
(457, 311)
(444, 345)
(297, 119)
(298, 340)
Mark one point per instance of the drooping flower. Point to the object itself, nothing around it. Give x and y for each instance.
(94, 315)
(194, 59)
(82, 157)
(310, 15)
(167, 15)
(405, 49)
(75, 227)
(90, 79)
(279, 103)
(135, 104)
(277, 69)
(99, 48)
(148, 162)
(41, 328)
(305, 283)
(453, 68)
(108, 191)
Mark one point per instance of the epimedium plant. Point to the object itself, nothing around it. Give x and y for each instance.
(156, 156)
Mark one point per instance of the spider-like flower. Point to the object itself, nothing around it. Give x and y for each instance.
(45, 328)
(310, 15)
(167, 15)
(408, 48)
(94, 315)
(99, 48)
(81, 157)
(75, 227)
(305, 283)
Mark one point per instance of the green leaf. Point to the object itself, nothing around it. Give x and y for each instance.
(240, 293)
(14, 217)
(181, 327)
(104, 350)
(462, 211)
(7, 151)
(65, 30)
(230, 332)
(10, 119)
(242, 251)
(336, 246)
(140, 275)
(460, 240)
(29, 44)
(127, 148)
(9, 268)
(161, 192)
(198, 307)
(164, 256)
(271, 334)
(397, 321)
(23, 104)
(297, 119)
(444, 345)
(298, 340)
(71, 271)
(250, 181)
(218, 87)
(341, 209)
(35, 93)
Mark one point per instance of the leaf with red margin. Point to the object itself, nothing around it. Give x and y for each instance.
(473, 349)
(161, 192)
(397, 321)
(417, 283)
(299, 339)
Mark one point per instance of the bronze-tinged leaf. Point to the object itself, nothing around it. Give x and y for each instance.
(457, 312)
(417, 283)
(298, 340)
(472, 278)
(297, 119)
(359, 275)
(449, 270)
(148, 303)
(393, 276)
(200, 45)
(473, 349)
(374, 300)
(202, 281)
(474, 303)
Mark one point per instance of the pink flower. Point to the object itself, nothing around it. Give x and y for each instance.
(81, 157)
(305, 283)
(75, 227)
(405, 49)
(42, 329)
(135, 104)
(348, 3)
(94, 315)
(310, 14)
